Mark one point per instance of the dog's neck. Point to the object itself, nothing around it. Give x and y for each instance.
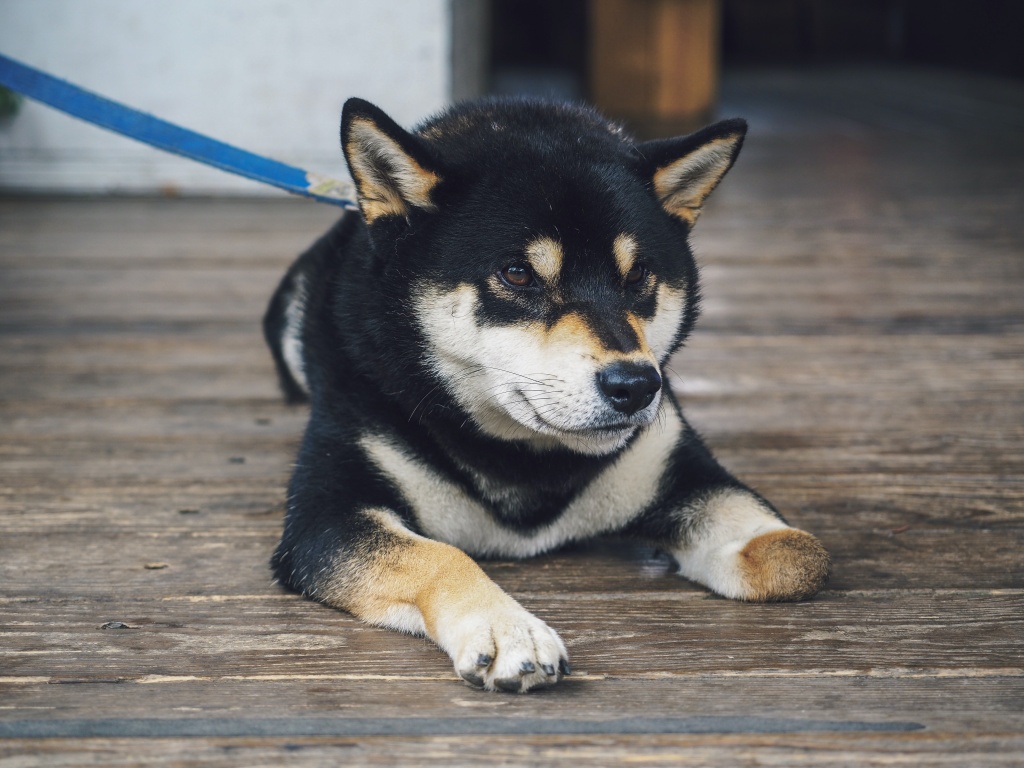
(518, 482)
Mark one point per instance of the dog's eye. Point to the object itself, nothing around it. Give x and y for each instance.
(517, 275)
(637, 273)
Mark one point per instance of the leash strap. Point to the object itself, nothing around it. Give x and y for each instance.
(140, 126)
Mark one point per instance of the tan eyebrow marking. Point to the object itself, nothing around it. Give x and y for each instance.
(545, 256)
(624, 249)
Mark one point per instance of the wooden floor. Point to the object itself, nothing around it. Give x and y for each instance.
(860, 361)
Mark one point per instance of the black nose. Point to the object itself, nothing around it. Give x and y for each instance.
(629, 387)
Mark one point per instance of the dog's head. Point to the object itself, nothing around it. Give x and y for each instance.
(544, 257)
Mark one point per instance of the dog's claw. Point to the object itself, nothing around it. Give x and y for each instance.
(563, 667)
(509, 686)
(483, 660)
(475, 680)
(549, 669)
(526, 668)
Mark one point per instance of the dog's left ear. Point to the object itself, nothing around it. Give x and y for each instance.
(391, 167)
(683, 171)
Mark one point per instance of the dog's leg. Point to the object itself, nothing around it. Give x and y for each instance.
(736, 544)
(727, 537)
(394, 578)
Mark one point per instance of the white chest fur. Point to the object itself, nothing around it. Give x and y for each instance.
(446, 512)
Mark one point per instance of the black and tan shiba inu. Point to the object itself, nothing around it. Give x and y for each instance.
(483, 348)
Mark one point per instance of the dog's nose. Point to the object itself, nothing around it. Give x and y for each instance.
(629, 387)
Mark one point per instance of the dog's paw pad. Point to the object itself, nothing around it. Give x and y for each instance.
(788, 564)
(510, 650)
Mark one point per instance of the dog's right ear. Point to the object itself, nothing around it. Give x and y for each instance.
(391, 167)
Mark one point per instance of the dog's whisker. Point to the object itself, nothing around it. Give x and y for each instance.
(513, 373)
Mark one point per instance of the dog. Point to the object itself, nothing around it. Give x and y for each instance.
(483, 348)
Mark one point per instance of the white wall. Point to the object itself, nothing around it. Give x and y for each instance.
(269, 76)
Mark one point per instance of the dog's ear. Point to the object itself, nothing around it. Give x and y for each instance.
(683, 171)
(391, 167)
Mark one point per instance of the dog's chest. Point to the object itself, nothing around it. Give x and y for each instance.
(519, 506)
(446, 512)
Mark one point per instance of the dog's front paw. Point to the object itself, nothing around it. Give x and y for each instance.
(506, 648)
(741, 549)
(787, 564)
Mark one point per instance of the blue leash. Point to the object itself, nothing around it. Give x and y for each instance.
(129, 122)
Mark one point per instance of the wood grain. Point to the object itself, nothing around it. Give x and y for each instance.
(936, 749)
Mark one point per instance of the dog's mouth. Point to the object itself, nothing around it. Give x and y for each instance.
(586, 428)
(596, 440)
(620, 427)
(602, 431)
(602, 425)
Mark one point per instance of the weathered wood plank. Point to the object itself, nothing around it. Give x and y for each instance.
(777, 299)
(948, 370)
(954, 703)
(786, 458)
(140, 233)
(786, 750)
(225, 550)
(202, 633)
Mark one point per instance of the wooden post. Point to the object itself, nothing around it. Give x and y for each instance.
(654, 63)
